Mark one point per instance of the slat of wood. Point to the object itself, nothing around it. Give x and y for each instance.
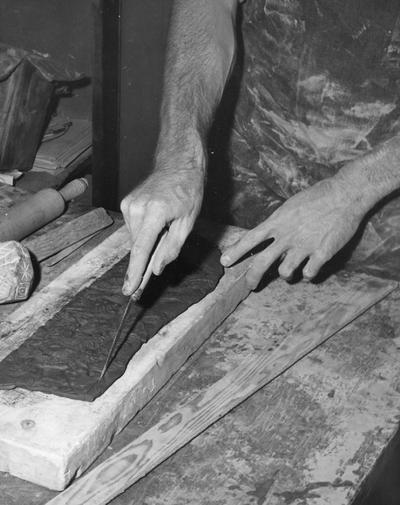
(61, 255)
(176, 429)
(68, 234)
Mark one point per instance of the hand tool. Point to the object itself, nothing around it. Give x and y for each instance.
(134, 298)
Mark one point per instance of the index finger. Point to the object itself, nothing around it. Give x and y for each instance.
(245, 244)
(142, 248)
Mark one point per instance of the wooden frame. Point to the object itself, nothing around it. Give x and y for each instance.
(50, 440)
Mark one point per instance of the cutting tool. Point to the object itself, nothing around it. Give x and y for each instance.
(134, 298)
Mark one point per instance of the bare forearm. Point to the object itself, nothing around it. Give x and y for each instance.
(374, 175)
(200, 54)
(199, 57)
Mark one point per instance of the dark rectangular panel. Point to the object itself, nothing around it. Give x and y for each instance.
(126, 125)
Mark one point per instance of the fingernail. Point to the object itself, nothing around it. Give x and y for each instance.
(225, 260)
(160, 269)
(136, 296)
(125, 288)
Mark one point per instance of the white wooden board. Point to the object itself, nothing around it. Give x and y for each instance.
(50, 440)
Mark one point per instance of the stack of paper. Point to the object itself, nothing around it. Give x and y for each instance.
(62, 149)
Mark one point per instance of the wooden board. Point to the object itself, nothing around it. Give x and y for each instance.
(50, 440)
(314, 433)
(46, 245)
(177, 428)
(310, 436)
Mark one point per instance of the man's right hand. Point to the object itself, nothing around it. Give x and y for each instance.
(200, 55)
(170, 198)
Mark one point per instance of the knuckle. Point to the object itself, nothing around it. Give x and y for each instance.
(137, 249)
(274, 233)
(320, 255)
(156, 208)
(131, 211)
(124, 206)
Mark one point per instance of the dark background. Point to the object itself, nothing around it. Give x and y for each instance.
(69, 31)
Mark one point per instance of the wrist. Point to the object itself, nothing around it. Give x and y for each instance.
(353, 191)
(181, 151)
(362, 191)
(373, 176)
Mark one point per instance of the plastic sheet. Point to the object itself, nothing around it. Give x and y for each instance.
(316, 84)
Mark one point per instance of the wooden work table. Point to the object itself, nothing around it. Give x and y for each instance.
(312, 436)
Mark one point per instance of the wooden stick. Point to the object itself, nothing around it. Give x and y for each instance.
(173, 431)
(67, 251)
(67, 234)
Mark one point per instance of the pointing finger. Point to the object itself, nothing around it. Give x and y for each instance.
(140, 253)
(245, 244)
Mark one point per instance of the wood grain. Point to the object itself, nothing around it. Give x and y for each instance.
(69, 434)
(68, 234)
(67, 251)
(174, 430)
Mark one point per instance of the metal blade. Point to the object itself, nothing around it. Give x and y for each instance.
(116, 337)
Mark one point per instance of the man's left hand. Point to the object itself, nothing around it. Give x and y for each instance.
(310, 228)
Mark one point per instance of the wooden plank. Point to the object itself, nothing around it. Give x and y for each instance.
(312, 435)
(49, 440)
(67, 251)
(50, 271)
(174, 430)
(68, 234)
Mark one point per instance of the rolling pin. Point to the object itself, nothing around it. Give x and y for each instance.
(35, 211)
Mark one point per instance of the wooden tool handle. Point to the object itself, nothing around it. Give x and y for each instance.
(73, 189)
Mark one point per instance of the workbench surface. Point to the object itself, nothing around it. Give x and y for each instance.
(310, 437)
